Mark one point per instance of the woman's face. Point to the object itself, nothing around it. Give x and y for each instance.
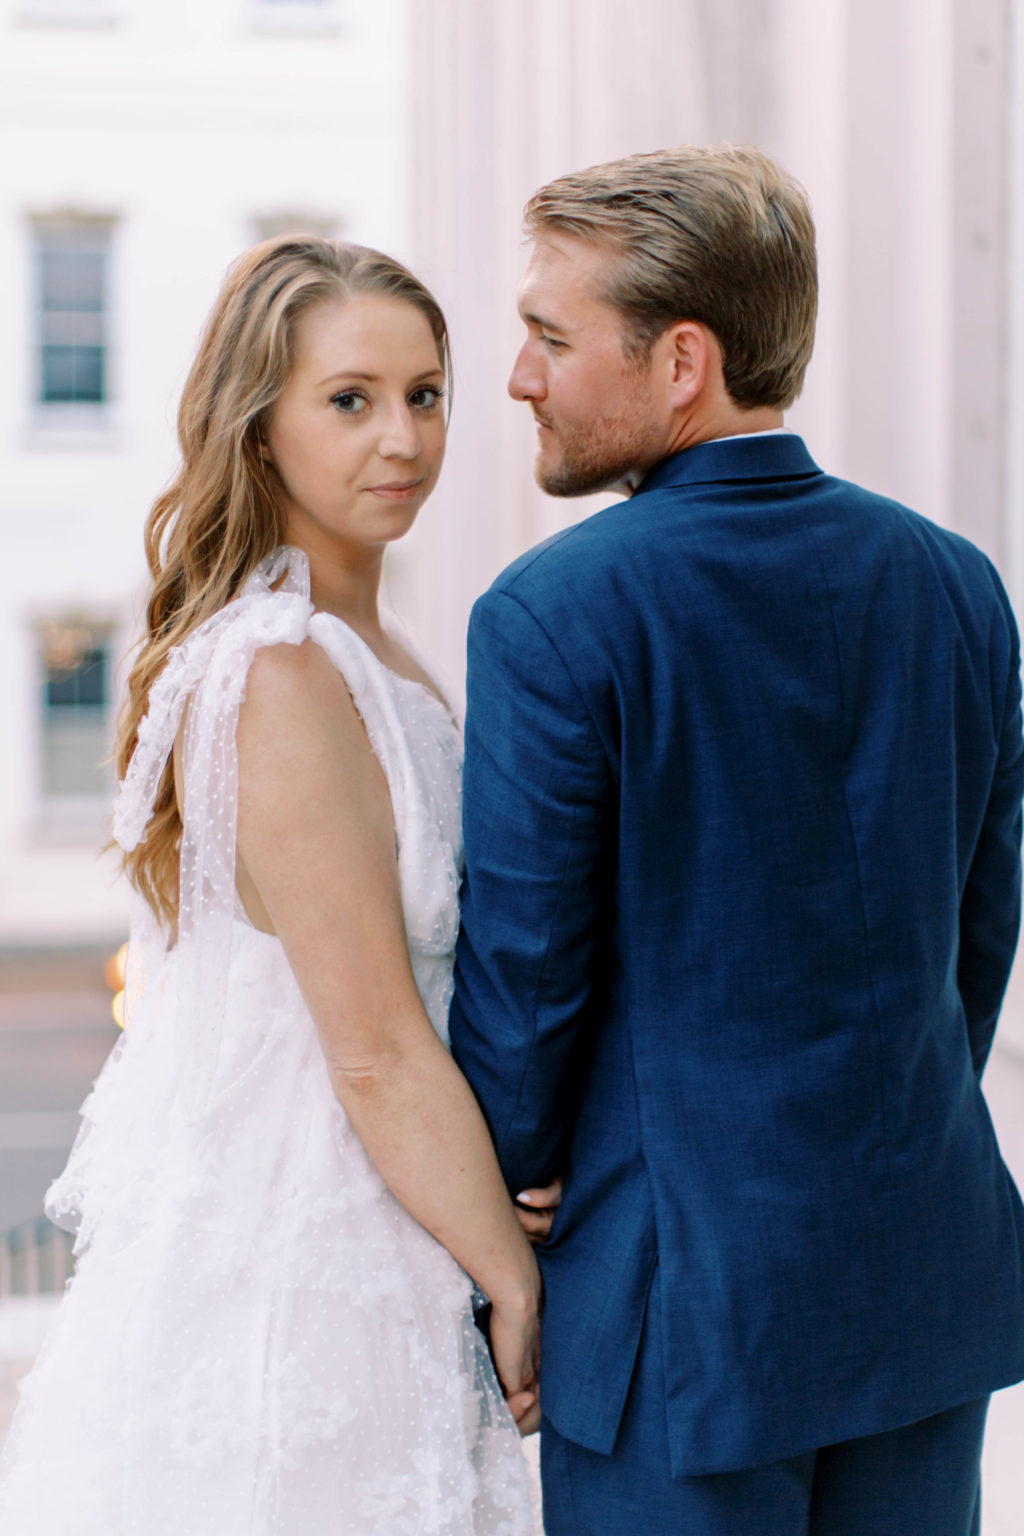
(357, 435)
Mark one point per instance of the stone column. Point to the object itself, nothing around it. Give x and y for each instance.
(980, 342)
(507, 97)
(1011, 1029)
(898, 282)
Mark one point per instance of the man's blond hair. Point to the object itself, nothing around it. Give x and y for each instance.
(721, 236)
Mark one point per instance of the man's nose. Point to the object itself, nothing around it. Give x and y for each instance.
(526, 381)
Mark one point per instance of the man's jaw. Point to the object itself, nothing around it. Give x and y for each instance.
(557, 474)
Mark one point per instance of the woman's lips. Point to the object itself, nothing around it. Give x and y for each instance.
(404, 490)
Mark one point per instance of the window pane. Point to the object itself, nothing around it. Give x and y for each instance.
(76, 712)
(73, 373)
(82, 684)
(72, 279)
(75, 750)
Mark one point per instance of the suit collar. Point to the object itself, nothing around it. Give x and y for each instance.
(766, 456)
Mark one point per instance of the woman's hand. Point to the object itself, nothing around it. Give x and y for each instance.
(536, 1210)
(515, 1345)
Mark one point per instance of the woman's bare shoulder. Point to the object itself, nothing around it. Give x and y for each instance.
(298, 717)
(294, 678)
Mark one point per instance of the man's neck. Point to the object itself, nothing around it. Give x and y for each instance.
(726, 420)
(731, 423)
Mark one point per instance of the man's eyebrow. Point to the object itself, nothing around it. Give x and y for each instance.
(545, 325)
(374, 378)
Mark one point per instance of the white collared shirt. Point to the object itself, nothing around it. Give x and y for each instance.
(735, 437)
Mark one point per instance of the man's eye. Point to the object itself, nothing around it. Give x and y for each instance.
(552, 342)
(348, 402)
(427, 398)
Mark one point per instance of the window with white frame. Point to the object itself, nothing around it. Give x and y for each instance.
(266, 226)
(76, 713)
(71, 261)
(295, 15)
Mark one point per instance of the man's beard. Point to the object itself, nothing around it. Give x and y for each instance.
(599, 454)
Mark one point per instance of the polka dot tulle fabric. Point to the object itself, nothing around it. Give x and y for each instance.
(259, 1339)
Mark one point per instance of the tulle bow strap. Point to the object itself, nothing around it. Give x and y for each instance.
(207, 672)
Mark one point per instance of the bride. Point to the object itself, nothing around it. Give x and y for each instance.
(283, 1188)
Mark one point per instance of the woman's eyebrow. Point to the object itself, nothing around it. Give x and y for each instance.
(374, 378)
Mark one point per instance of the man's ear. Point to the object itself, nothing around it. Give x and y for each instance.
(689, 358)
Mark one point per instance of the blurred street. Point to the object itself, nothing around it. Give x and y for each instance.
(56, 1031)
(53, 1042)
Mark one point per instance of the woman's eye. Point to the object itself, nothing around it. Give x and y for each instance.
(348, 402)
(427, 398)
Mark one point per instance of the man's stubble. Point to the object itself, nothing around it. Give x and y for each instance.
(598, 454)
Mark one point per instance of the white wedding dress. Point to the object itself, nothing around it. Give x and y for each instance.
(259, 1339)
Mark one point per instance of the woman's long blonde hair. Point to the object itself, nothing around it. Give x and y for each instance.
(219, 517)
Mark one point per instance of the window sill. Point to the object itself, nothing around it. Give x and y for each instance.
(300, 18)
(82, 429)
(73, 14)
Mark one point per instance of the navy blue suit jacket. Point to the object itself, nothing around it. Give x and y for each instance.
(743, 786)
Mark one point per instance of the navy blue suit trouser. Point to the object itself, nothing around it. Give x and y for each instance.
(923, 1478)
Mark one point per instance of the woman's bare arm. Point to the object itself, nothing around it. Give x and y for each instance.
(316, 835)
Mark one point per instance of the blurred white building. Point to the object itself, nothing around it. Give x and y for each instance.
(142, 147)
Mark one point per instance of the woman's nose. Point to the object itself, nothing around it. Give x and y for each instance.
(400, 438)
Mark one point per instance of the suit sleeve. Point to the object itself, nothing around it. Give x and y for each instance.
(991, 904)
(539, 798)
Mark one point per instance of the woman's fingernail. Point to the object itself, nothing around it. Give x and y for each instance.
(524, 1198)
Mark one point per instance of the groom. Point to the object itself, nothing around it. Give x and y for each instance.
(743, 784)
